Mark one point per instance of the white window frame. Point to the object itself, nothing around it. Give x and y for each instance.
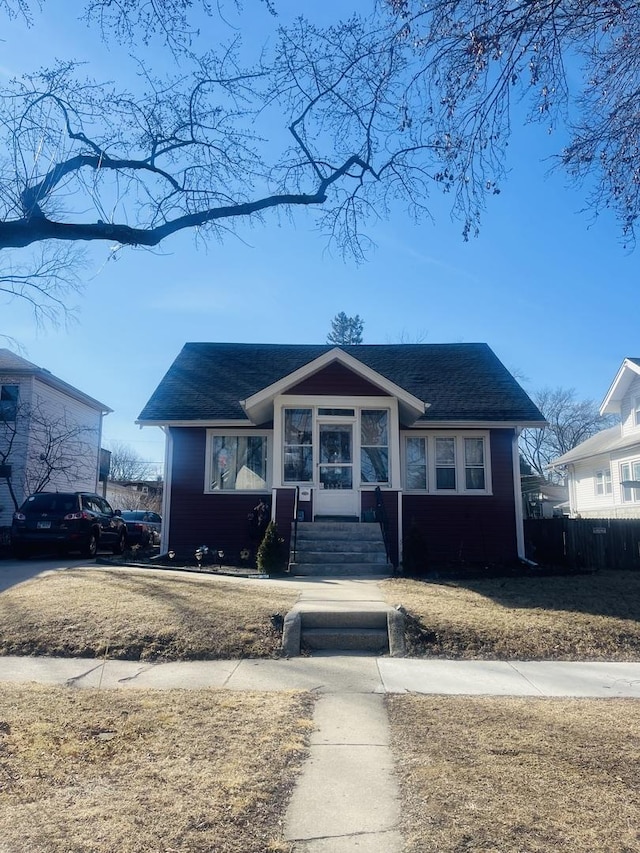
(363, 446)
(230, 432)
(603, 482)
(628, 494)
(317, 402)
(460, 462)
(636, 412)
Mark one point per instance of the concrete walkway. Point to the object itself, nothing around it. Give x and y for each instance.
(342, 674)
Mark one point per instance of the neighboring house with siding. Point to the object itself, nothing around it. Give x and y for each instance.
(598, 469)
(135, 494)
(434, 426)
(50, 434)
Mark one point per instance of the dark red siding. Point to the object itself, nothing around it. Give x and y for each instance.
(336, 380)
(219, 520)
(285, 502)
(459, 529)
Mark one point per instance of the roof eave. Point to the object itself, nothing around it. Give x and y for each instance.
(611, 403)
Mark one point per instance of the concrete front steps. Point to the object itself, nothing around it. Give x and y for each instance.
(336, 548)
(349, 627)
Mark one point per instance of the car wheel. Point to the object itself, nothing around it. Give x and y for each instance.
(90, 548)
(118, 548)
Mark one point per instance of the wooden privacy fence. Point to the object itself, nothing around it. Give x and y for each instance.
(584, 543)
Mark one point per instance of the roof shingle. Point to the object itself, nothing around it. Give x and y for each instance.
(461, 382)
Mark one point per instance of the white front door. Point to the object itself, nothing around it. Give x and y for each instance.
(335, 493)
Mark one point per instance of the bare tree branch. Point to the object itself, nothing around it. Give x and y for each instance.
(570, 422)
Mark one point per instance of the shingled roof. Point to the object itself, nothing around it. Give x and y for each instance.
(460, 382)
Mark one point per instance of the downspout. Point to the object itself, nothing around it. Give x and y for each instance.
(517, 494)
(97, 480)
(166, 491)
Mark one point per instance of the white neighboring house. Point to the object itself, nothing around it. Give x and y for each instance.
(50, 434)
(597, 469)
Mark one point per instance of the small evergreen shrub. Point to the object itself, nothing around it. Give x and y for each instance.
(271, 555)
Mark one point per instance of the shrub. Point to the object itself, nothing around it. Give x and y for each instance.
(271, 555)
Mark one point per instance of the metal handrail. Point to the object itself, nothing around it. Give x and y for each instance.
(295, 524)
(383, 520)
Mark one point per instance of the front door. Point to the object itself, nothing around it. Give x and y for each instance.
(335, 493)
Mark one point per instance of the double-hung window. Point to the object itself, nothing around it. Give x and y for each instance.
(630, 471)
(416, 463)
(474, 475)
(447, 464)
(603, 482)
(237, 462)
(374, 445)
(298, 445)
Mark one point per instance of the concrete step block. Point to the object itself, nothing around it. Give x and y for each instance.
(339, 531)
(346, 639)
(337, 569)
(333, 545)
(357, 618)
(373, 557)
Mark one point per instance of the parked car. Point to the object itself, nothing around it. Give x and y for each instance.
(143, 526)
(69, 521)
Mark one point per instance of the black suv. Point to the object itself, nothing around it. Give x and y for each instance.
(69, 521)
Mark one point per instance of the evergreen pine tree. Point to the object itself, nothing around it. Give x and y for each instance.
(345, 330)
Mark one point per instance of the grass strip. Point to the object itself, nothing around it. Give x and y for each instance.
(517, 775)
(121, 772)
(579, 617)
(138, 615)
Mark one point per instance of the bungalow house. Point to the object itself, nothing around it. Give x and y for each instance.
(600, 471)
(322, 432)
(50, 434)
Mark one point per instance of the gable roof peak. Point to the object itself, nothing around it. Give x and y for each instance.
(627, 372)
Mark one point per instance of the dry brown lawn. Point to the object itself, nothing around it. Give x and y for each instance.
(580, 617)
(518, 775)
(141, 615)
(124, 772)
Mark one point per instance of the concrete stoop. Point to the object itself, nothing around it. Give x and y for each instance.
(331, 548)
(344, 627)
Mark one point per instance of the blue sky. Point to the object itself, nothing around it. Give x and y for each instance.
(554, 293)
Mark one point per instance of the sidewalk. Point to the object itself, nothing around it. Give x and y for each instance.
(339, 674)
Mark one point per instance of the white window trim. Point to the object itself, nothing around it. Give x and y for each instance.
(459, 463)
(636, 411)
(234, 433)
(605, 473)
(630, 463)
(316, 402)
